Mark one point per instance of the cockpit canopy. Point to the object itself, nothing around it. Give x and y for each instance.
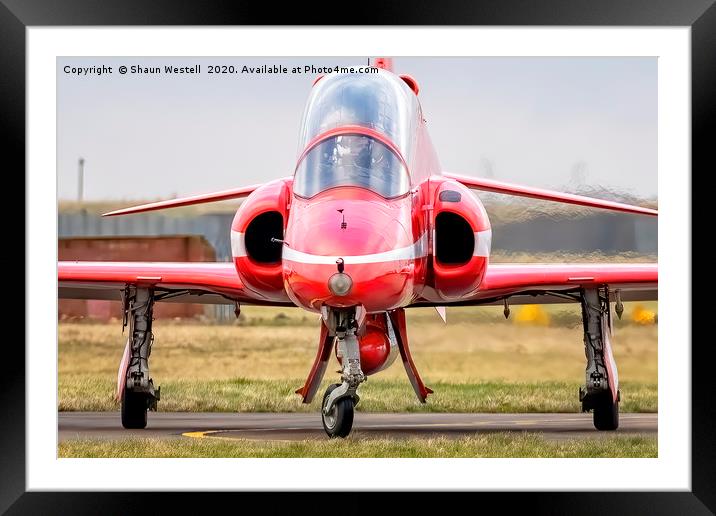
(351, 160)
(380, 102)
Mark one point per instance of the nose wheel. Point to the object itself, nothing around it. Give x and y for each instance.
(339, 400)
(338, 420)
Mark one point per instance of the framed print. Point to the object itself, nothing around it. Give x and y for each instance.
(428, 182)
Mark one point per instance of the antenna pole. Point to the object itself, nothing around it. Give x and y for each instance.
(80, 179)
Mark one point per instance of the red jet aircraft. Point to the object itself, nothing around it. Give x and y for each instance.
(368, 226)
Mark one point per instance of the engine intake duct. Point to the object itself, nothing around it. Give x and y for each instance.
(261, 235)
(454, 239)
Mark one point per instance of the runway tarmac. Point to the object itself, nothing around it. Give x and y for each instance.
(298, 426)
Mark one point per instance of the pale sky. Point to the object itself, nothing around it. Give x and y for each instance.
(539, 121)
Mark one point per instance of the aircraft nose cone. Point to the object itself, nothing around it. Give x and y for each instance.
(368, 239)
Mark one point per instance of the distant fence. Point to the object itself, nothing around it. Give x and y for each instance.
(610, 233)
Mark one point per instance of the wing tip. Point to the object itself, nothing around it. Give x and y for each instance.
(642, 210)
(127, 211)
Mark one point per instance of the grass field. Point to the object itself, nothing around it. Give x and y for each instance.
(478, 362)
(489, 445)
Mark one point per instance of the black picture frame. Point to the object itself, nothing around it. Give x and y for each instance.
(17, 15)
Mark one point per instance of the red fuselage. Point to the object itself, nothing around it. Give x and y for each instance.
(366, 193)
(373, 236)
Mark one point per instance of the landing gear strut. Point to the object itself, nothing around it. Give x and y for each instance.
(340, 399)
(601, 391)
(137, 390)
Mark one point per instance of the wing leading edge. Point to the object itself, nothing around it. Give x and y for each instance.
(224, 195)
(192, 282)
(534, 283)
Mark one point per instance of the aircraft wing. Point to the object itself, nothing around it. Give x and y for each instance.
(535, 283)
(490, 185)
(188, 282)
(224, 195)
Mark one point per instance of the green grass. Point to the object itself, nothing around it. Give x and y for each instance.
(478, 362)
(472, 364)
(512, 445)
(96, 393)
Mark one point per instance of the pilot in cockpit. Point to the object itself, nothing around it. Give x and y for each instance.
(370, 158)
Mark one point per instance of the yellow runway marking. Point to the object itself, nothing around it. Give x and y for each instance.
(206, 435)
(509, 425)
(209, 434)
(195, 435)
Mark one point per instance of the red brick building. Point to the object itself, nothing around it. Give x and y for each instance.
(147, 249)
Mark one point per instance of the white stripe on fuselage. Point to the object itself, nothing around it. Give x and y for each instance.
(483, 243)
(414, 251)
(238, 248)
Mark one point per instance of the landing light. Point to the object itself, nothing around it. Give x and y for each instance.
(340, 284)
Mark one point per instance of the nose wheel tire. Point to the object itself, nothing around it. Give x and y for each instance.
(134, 409)
(606, 415)
(339, 421)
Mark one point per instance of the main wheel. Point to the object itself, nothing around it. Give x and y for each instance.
(339, 421)
(134, 409)
(606, 414)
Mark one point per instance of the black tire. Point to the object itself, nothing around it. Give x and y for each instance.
(340, 422)
(134, 410)
(606, 415)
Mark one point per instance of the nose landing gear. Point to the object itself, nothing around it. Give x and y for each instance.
(339, 400)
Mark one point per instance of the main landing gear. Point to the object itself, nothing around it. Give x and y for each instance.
(601, 391)
(340, 399)
(135, 386)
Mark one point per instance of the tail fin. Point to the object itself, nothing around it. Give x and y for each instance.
(490, 185)
(386, 63)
